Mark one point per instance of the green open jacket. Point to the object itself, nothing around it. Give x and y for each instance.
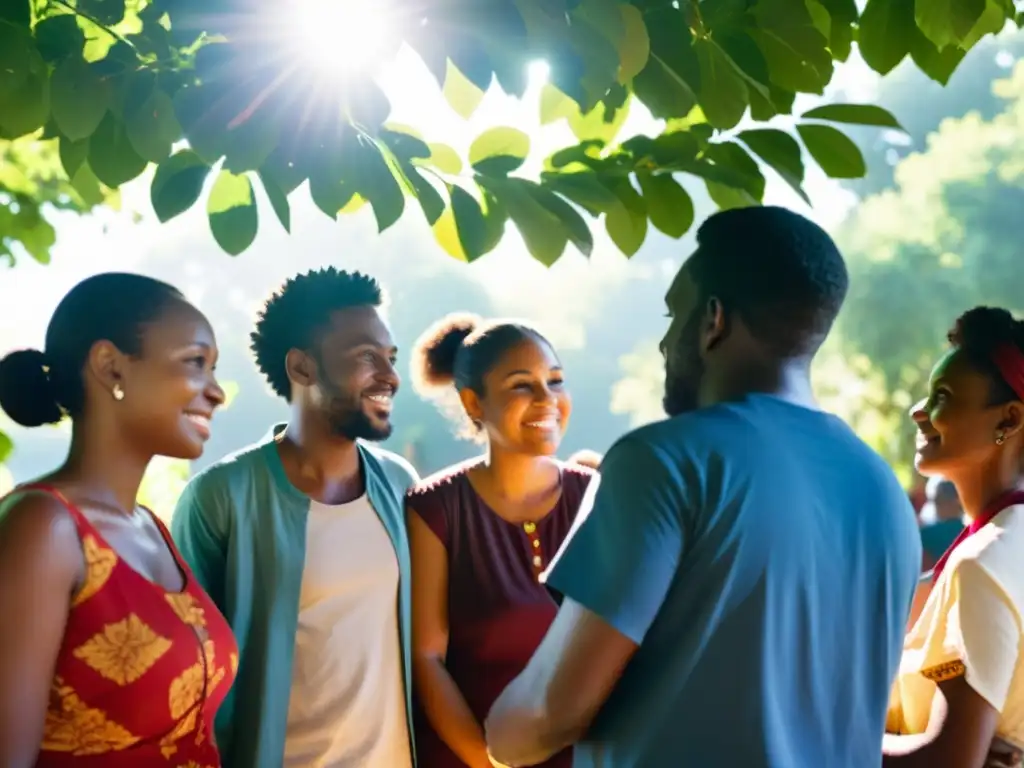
(241, 526)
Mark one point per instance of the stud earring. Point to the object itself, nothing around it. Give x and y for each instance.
(1000, 437)
(117, 392)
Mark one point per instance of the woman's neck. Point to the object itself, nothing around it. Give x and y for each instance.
(519, 477)
(978, 489)
(104, 467)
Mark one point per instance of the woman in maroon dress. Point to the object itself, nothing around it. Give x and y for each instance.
(482, 532)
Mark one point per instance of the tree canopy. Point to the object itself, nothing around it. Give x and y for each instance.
(941, 241)
(113, 86)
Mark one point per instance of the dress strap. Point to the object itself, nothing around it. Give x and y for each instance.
(168, 539)
(81, 522)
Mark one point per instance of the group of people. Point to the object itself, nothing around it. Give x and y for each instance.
(731, 587)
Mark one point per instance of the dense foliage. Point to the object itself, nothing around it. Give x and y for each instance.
(115, 84)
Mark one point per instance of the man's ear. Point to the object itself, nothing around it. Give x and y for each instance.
(714, 325)
(301, 367)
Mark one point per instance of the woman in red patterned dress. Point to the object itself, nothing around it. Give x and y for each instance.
(111, 654)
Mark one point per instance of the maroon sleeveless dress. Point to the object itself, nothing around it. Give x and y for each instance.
(498, 612)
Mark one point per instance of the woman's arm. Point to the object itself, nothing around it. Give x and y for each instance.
(41, 563)
(961, 727)
(443, 703)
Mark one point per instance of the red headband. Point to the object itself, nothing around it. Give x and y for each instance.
(1010, 362)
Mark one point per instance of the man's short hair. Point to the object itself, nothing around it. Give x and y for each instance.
(779, 271)
(301, 309)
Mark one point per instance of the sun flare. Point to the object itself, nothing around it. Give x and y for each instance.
(340, 37)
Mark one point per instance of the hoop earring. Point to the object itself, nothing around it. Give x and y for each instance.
(1000, 437)
(117, 392)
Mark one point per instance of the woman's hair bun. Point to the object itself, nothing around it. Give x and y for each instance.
(433, 355)
(26, 390)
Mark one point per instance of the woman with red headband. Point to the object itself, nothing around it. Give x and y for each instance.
(959, 695)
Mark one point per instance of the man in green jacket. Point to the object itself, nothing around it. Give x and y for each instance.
(301, 542)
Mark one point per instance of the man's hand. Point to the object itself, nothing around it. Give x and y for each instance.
(1004, 755)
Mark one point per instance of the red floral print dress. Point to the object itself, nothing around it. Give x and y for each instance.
(141, 670)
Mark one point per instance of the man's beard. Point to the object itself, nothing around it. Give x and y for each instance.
(356, 425)
(682, 381)
(346, 418)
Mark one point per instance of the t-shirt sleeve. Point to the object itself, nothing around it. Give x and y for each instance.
(621, 555)
(429, 507)
(976, 635)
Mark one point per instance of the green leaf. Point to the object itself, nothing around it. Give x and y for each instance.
(26, 107)
(626, 222)
(17, 12)
(405, 142)
(59, 37)
(669, 207)
(938, 65)
(779, 151)
(723, 92)
(635, 46)
(821, 18)
(596, 125)
(109, 12)
(543, 232)
(111, 155)
(577, 229)
(499, 151)
(885, 32)
(583, 188)
(443, 158)
(79, 98)
(87, 185)
(461, 230)
(278, 201)
(837, 155)
(854, 114)
(462, 95)
(16, 50)
(947, 22)
(668, 83)
(797, 53)
(430, 199)
(177, 184)
(72, 154)
(736, 168)
(232, 212)
(372, 178)
(555, 105)
(6, 447)
(727, 198)
(152, 127)
(996, 15)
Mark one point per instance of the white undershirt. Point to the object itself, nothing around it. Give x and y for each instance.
(347, 704)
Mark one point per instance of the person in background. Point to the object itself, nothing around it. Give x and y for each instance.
(301, 541)
(111, 653)
(482, 532)
(942, 520)
(959, 696)
(734, 556)
(586, 458)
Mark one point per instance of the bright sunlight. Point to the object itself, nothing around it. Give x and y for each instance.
(340, 38)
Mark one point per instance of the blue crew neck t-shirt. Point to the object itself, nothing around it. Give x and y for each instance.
(764, 559)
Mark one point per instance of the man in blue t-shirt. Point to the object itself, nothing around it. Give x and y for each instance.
(737, 585)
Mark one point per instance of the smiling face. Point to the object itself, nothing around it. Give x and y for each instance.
(957, 424)
(170, 391)
(356, 379)
(524, 407)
